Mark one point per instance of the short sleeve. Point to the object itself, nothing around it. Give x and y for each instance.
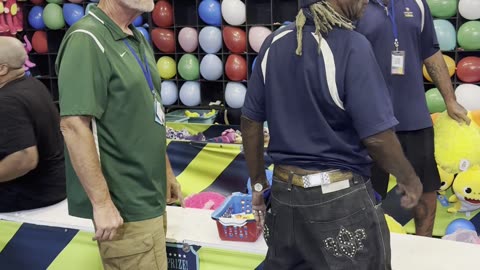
(254, 104)
(83, 75)
(367, 98)
(16, 128)
(429, 42)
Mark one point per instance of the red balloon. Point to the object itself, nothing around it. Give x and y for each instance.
(164, 40)
(37, 2)
(468, 69)
(39, 42)
(162, 14)
(236, 68)
(235, 39)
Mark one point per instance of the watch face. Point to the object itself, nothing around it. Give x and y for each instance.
(258, 187)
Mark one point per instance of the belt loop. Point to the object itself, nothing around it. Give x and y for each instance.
(290, 178)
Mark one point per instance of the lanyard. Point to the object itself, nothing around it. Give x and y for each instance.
(391, 15)
(145, 68)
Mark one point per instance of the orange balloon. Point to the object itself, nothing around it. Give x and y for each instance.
(39, 42)
(236, 68)
(450, 65)
(164, 40)
(162, 14)
(475, 115)
(434, 117)
(235, 39)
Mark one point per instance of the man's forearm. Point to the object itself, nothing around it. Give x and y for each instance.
(438, 71)
(83, 154)
(387, 152)
(18, 164)
(253, 146)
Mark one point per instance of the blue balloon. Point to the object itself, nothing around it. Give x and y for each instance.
(35, 18)
(169, 93)
(210, 12)
(138, 21)
(458, 224)
(447, 38)
(211, 67)
(144, 33)
(72, 13)
(210, 39)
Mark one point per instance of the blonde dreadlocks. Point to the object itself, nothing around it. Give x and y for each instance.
(324, 17)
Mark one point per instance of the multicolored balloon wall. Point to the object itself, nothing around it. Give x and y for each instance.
(205, 49)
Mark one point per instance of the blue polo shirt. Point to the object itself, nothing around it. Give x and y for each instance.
(319, 107)
(407, 91)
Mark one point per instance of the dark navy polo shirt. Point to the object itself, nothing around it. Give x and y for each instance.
(407, 91)
(319, 107)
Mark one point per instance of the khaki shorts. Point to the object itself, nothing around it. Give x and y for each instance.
(137, 245)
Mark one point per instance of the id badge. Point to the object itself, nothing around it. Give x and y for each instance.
(159, 114)
(398, 63)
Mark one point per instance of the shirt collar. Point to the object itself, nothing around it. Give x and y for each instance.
(114, 29)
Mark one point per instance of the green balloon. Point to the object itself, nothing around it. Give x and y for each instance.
(55, 1)
(435, 101)
(53, 17)
(188, 67)
(443, 9)
(469, 35)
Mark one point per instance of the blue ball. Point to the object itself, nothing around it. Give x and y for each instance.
(460, 223)
(35, 18)
(210, 12)
(138, 21)
(72, 13)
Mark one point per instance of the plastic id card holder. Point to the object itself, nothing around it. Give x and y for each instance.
(159, 114)
(398, 63)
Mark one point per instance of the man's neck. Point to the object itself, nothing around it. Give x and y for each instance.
(121, 15)
(12, 76)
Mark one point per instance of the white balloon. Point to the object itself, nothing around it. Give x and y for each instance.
(190, 93)
(468, 95)
(210, 39)
(169, 93)
(235, 94)
(469, 9)
(211, 67)
(234, 12)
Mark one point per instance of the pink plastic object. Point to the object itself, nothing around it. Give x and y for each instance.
(205, 200)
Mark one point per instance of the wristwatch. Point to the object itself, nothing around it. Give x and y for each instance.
(258, 187)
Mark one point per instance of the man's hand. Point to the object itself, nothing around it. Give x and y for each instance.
(107, 220)
(411, 191)
(174, 192)
(259, 209)
(457, 112)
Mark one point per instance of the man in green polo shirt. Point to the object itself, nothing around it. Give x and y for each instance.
(113, 124)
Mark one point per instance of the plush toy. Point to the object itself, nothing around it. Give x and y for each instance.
(446, 180)
(28, 48)
(457, 146)
(14, 16)
(3, 23)
(466, 188)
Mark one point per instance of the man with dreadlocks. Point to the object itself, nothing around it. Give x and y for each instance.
(318, 85)
(403, 38)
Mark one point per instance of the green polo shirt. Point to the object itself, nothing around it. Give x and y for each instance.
(100, 77)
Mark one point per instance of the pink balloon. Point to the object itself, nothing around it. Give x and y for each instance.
(257, 35)
(188, 39)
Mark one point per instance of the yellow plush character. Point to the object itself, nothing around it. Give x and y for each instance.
(467, 191)
(457, 146)
(447, 180)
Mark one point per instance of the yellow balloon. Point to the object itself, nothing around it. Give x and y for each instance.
(167, 68)
(450, 65)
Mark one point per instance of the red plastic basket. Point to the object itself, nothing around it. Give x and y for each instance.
(230, 229)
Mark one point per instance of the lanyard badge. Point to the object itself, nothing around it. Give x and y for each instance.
(398, 56)
(157, 106)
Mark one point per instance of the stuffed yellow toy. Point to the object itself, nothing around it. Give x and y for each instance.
(457, 145)
(466, 188)
(447, 180)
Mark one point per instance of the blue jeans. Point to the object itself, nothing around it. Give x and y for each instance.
(345, 229)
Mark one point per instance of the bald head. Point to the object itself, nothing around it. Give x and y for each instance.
(12, 52)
